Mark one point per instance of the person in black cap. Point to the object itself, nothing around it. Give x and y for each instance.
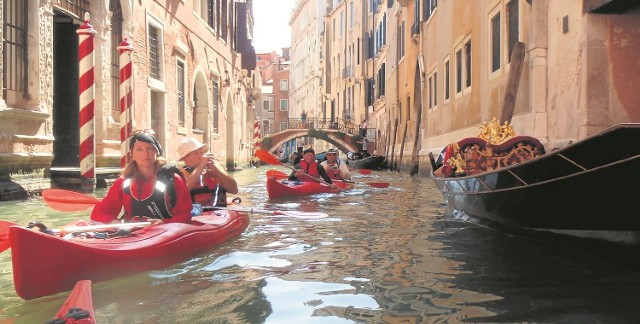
(148, 187)
(308, 165)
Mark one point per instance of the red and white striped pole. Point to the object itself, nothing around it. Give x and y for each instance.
(86, 34)
(256, 134)
(124, 50)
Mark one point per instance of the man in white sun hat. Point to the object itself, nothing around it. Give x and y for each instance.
(207, 180)
(334, 167)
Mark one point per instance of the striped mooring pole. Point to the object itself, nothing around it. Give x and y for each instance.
(256, 133)
(126, 94)
(86, 35)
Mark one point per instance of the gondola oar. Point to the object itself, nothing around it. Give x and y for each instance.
(61, 231)
(270, 159)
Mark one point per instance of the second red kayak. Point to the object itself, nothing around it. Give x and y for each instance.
(279, 186)
(78, 308)
(45, 264)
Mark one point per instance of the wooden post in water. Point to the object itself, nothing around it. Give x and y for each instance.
(517, 59)
(415, 159)
(386, 147)
(393, 148)
(404, 139)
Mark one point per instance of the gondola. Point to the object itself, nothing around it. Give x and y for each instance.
(582, 189)
(360, 161)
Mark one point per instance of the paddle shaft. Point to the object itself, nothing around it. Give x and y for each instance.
(290, 213)
(100, 227)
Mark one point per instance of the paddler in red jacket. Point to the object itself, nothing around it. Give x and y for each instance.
(207, 180)
(308, 165)
(148, 188)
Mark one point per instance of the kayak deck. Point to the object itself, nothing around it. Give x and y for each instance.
(44, 264)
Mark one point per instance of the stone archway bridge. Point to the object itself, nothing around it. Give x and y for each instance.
(341, 133)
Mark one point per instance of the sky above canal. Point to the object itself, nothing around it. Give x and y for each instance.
(271, 27)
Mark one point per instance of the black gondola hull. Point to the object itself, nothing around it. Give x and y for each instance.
(585, 186)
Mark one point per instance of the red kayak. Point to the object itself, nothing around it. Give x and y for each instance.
(78, 309)
(283, 187)
(45, 264)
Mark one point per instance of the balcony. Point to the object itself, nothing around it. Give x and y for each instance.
(348, 73)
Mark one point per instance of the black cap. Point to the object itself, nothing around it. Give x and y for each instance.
(147, 138)
(309, 150)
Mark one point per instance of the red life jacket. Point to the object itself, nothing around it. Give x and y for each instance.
(208, 192)
(153, 205)
(310, 169)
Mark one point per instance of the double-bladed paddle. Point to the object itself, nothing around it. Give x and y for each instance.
(61, 231)
(67, 200)
(64, 200)
(361, 171)
(271, 159)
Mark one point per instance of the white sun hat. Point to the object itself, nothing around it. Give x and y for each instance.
(187, 146)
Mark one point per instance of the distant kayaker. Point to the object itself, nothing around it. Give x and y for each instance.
(148, 187)
(334, 167)
(309, 165)
(207, 180)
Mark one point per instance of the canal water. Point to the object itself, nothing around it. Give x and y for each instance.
(382, 256)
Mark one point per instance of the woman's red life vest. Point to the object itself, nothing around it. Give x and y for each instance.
(156, 205)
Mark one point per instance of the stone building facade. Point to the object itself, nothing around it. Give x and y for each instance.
(426, 73)
(193, 76)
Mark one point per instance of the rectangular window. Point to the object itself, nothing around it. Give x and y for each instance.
(224, 23)
(14, 47)
(154, 52)
(435, 88)
(401, 41)
(429, 7)
(495, 43)
(284, 85)
(211, 13)
(459, 71)
(429, 82)
(351, 14)
(216, 103)
(467, 61)
(333, 30)
(180, 70)
(266, 104)
(447, 80)
(341, 23)
(284, 105)
(513, 28)
(116, 38)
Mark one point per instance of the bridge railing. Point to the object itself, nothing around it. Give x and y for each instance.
(313, 123)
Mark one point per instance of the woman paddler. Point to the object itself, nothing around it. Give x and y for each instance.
(148, 188)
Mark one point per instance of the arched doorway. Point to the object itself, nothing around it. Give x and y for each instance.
(201, 108)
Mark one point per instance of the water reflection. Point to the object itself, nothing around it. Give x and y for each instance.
(383, 256)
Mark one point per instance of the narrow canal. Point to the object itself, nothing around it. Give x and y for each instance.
(382, 256)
